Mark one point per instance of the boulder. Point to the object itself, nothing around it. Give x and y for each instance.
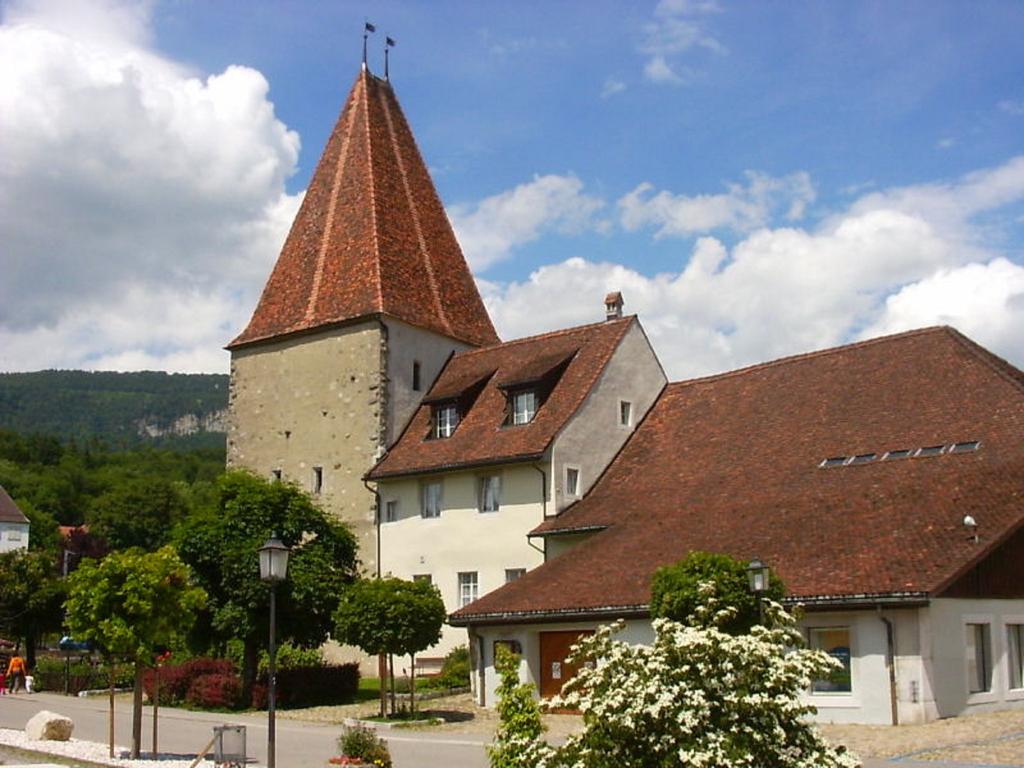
(49, 726)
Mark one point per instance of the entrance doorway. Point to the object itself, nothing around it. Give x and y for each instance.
(555, 671)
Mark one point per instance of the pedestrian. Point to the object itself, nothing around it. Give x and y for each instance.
(16, 672)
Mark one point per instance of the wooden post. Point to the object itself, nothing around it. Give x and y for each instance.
(156, 705)
(110, 732)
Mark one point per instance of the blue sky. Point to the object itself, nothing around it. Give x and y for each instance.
(759, 179)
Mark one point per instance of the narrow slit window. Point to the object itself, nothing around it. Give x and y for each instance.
(416, 376)
(625, 413)
(318, 480)
(572, 481)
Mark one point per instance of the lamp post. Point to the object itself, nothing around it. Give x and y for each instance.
(759, 575)
(273, 568)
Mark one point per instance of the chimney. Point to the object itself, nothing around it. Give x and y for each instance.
(613, 306)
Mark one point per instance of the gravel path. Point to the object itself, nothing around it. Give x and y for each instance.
(90, 751)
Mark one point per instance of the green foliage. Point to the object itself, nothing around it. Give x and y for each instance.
(220, 544)
(390, 616)
(517, 740)
(131, 602)
(676, 589)
(364, 745)
(455, 670)
(139, 513)
(83, 675)
(44, 535)
(31, 596)
(67, 484)
(107, 406)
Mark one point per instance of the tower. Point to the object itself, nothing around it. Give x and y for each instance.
(369, 297)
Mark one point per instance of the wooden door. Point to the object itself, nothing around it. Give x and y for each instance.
(555, 671)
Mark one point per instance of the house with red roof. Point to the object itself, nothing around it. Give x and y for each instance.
(882, 481)
(508, 435)
(14, 526)
(540, 482)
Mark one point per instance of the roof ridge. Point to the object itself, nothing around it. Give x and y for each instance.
(417, 226)
(1002, 367)
(545, 335)
(374, 234)
(799, 357)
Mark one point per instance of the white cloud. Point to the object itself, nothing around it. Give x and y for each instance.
(892, 261)
(490, 230)
(679, 26)
(612, 87)
(1011, 107)
(123, 174)
(740, 208)
(947, 142)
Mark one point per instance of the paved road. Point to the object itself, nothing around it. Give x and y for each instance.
(299, 744)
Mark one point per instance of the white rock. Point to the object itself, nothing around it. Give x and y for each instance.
(49, 726)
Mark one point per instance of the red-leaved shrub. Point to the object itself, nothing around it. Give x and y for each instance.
(177, 679)
(310, 686)
(215, 691)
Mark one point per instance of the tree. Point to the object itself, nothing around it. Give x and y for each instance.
(390, 616)
(676, 590)
(127, 605)
(698, 696)
(137, 513)
(31, 597)
(220, 544)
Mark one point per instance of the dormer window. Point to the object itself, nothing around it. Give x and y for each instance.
(524, 406)
(446, 419)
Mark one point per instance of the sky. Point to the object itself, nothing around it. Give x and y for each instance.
(757, 179)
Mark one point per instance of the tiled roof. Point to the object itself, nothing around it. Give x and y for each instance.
(482, 437)
(9, 512)
(371, 237)
(731, 463)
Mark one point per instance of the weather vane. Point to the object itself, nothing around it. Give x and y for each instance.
(388, 44)
(367, 29)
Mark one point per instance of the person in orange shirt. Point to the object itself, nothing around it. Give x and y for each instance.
(16, 673)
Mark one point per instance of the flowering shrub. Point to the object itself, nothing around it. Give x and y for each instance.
(177, 679)
(361, 745)
(698, 696)
(517, 742)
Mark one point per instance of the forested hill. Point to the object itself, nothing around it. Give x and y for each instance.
(122, 410)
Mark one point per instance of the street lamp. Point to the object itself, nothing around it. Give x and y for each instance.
(273, 568)
(759, 575)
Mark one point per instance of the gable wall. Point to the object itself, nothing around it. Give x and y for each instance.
(593, 436)
(998, 575)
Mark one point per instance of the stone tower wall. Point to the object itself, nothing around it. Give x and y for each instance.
(315, 400)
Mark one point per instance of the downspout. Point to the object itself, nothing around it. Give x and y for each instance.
(544, 509)
(376, 518)
(890, 662)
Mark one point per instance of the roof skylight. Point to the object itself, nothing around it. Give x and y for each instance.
(966, 447)
(930, 450)
(863, 458)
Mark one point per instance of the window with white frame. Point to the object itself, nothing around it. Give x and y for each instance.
(514, 574)
(625, 413)
(468, 588)
(390, 510)
(318, 480)
(572, 481)
(490, 493)
(431, 499)
(446, 419)
(524, 406)
(1015, 654)
(14, 535)
(835, 641)
(979, 657)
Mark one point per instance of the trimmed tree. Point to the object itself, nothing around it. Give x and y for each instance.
(221, 545)
(676, 590)
(390, 616)
(31, 597)
(127, 605)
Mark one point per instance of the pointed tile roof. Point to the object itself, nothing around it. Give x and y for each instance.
(9, 512)
(371, 237)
